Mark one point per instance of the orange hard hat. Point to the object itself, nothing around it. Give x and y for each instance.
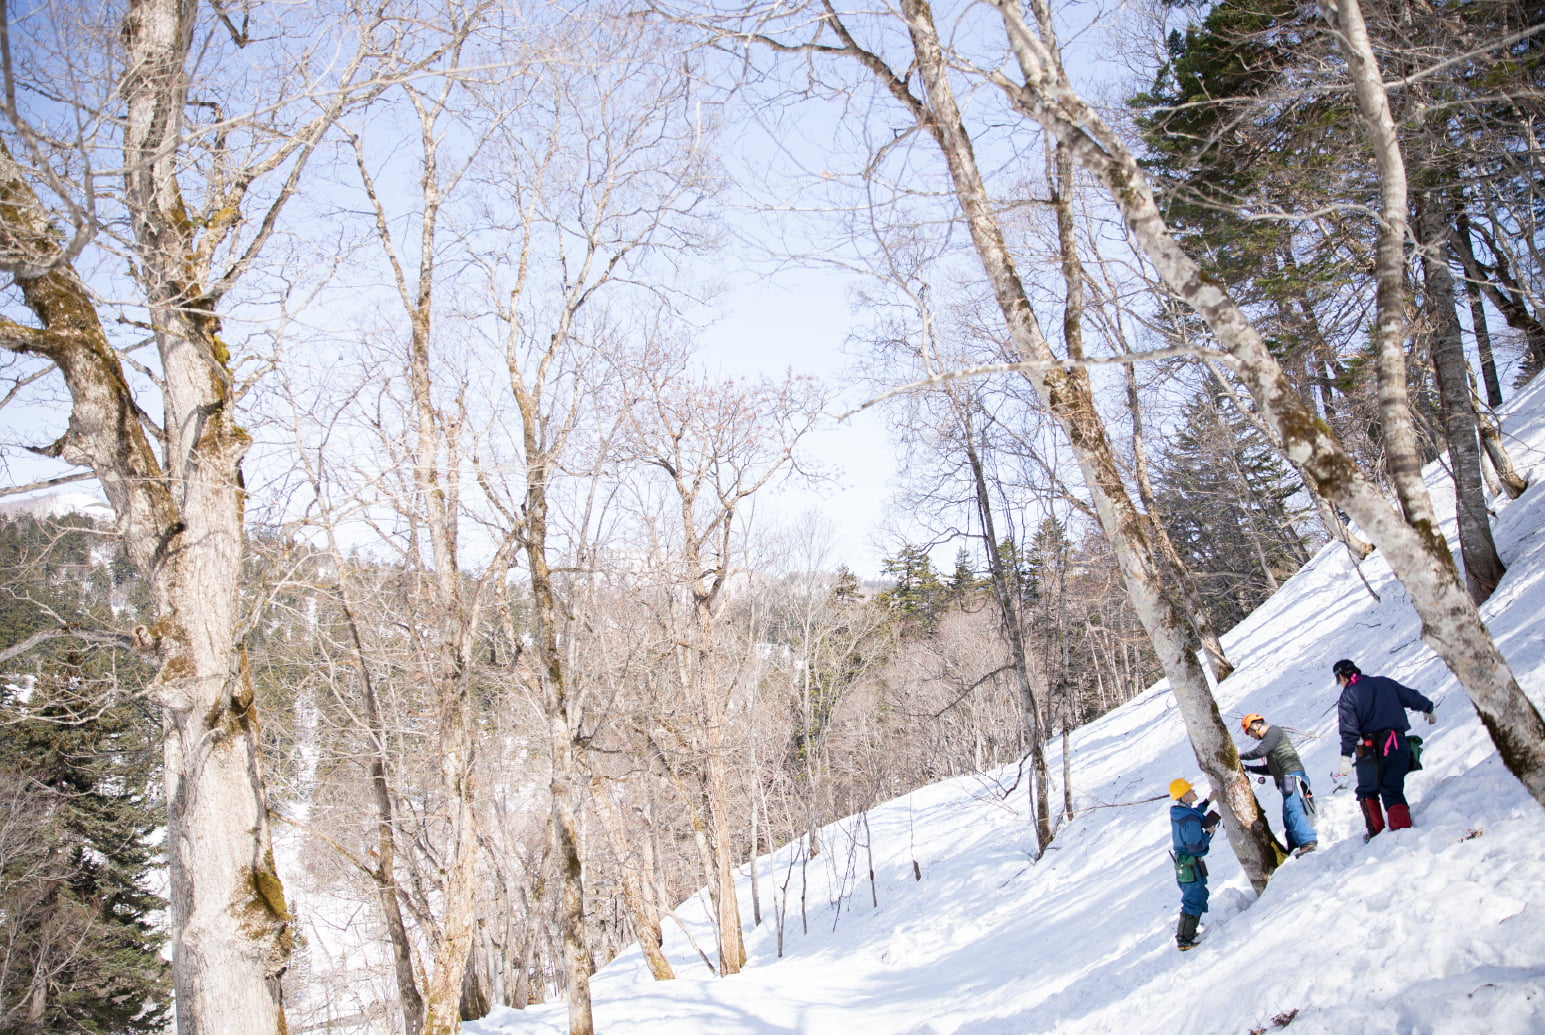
(1251, 720)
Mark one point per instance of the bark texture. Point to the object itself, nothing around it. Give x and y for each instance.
(564, 782)
(1483, 568)
(230, 925)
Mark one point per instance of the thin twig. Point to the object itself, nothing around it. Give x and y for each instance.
(1120, 804)
(1037, 364)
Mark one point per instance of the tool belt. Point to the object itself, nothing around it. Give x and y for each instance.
(1378, 744)
(1189, 868)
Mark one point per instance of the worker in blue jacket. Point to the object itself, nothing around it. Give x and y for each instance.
(1373, 723)
(1191, 830)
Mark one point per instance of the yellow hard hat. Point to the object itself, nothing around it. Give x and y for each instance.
(1178, 788)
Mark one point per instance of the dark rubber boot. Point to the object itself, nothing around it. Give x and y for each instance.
(1185, 931)
(1373, 815)
(1400, 817)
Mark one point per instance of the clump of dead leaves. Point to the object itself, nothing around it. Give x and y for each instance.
(1282, 1020)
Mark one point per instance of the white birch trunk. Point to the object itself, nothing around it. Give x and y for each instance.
(230, 927)
(563, 752)
(1402, 454)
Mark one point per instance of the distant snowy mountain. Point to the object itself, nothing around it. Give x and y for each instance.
(1438, 930)
(57, 505)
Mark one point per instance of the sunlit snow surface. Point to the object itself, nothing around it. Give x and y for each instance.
(1437, 929)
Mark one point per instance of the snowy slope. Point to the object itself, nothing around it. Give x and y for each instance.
(1438, 929)
(58, 504)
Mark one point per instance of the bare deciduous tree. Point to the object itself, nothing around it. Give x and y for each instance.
(717, 445)
(194, 224)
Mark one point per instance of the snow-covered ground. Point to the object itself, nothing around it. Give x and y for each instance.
(1437, 929)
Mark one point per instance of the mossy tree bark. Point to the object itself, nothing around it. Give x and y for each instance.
(180, 514)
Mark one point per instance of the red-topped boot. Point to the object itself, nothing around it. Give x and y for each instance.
(1373, 815)
(1399, 817)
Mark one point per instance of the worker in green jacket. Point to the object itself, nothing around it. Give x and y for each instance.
(1283, 765)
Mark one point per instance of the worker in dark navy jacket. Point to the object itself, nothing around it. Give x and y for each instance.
(1373, 741)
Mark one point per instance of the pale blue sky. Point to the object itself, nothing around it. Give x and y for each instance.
(799, 321)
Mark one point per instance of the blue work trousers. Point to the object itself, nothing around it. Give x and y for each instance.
(1193, 896)
(1295, 817)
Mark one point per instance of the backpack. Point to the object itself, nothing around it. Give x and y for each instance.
(1416, 753)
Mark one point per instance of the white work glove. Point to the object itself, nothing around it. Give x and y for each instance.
(1431, 717)
(1346, 765)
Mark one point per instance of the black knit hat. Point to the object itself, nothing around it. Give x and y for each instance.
(1345, 668)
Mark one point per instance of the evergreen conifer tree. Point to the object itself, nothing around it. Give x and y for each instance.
(1029, 568)
(78, 773)
(846, 587)
(1228, 502)
(917, 595)
(963, 581)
